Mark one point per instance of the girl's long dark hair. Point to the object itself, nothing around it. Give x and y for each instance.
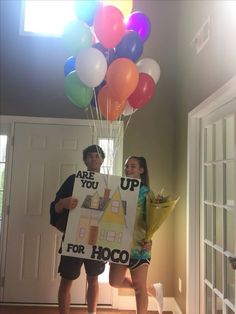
(143, 164)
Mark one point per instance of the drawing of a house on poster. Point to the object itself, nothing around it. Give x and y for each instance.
(112, 223)
(101, 226)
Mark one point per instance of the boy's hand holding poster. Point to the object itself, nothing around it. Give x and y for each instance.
(101, 226)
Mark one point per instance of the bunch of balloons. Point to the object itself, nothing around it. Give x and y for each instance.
(104, 68)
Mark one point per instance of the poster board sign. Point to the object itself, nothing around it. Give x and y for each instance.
(101, 226)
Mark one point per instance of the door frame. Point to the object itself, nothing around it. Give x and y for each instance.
(220, 97)
(7, 125)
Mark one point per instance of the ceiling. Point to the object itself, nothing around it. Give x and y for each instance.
(32, 78)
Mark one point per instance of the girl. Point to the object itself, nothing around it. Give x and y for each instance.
(136, 167)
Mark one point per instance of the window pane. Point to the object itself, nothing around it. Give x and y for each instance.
(208, 300)
(111, 235)
(55, 14)
(1, 204)
(208, 184)
(208, 222)
(230, 137)
(218, 271)
(230, 282)
(2, 175)
(208, 263)
(218, 226)
(219, 305)
(107, 144)
(208, 148)
(218, 141)
(229, 311)
(230, 183)
(219, 184)
(3, 148)
(230, 237)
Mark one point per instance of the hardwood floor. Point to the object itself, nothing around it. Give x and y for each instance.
(7, 309)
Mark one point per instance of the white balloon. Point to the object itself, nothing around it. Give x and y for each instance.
(128, 109)
(91, 66)
(150, 67)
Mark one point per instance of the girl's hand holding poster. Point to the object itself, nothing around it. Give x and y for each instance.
(101, 226)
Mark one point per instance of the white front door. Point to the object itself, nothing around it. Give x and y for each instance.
(43, 156)
(218, 211)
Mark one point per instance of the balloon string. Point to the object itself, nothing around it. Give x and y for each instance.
(118, 138)
(98, 117)
(94, 124)
(99, 110)
(116, 142)
(108, 135)
(105, 177)
(89, 121)
(110, 141)
(107, 115)
(127, 123)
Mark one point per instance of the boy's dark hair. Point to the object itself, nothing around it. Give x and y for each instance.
(93, 149)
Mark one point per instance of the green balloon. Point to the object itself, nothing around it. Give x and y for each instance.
(76, 36)
(78, 93)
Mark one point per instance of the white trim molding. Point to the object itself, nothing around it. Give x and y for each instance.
(219, 98)
(46, 120)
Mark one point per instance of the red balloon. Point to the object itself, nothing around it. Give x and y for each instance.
(143, 92)
(109, 26)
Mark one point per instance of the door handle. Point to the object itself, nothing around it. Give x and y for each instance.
(232, 261)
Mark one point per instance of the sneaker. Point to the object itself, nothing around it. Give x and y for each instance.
(159, 296)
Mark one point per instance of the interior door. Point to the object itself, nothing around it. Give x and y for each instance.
(218, 232)
(44, 155)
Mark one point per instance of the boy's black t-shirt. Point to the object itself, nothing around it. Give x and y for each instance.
(60, 220)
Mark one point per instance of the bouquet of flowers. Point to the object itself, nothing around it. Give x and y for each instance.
(158, 209)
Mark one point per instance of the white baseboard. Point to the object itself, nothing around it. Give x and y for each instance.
(128, 303)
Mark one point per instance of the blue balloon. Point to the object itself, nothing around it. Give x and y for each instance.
(130, 46)
(69, 65)
(109, 54)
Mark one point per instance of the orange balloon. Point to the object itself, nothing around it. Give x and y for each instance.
(110, 108)
(122, 78)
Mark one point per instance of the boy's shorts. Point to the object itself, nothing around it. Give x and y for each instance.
(69, 267)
